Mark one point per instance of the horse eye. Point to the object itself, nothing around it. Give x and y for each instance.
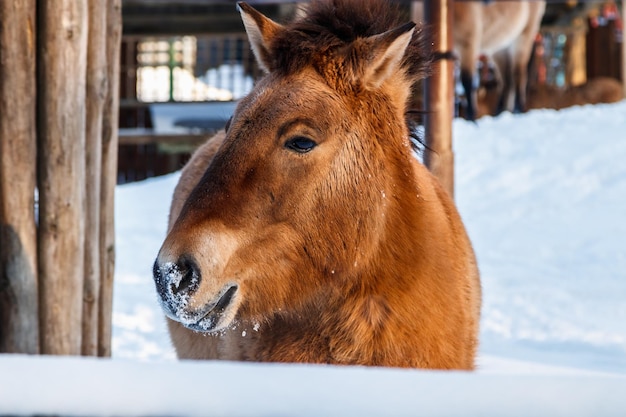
(300, 144)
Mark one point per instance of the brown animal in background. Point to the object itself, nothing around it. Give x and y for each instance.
(594, 91)
(505, 31)
(308, 231)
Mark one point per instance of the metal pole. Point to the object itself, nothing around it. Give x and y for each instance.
(439, 94)
(172, 65)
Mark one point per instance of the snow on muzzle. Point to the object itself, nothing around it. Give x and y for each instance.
(199, 303)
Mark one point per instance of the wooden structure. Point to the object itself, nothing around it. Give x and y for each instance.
(59, 80)
(439, 94)
(605, 58)
(581, 41)
(19, 330)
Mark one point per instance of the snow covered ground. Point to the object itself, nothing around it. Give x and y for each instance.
(543, 196)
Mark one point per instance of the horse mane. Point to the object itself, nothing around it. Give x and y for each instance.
(329, 27)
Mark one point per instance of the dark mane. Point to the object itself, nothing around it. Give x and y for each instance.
(330, 25)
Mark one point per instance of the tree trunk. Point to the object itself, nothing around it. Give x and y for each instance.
(19, 330)
(109, 175)
(62, 64)
(96, 95)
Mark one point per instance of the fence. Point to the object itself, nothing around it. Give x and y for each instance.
(216, 68)
(58, 136)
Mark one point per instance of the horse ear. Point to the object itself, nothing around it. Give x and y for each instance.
(261, 30)
(386, 53)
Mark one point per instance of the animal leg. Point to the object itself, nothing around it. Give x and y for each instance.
(467, 41)
(469, 88)
(521, 61)
(521, 77)
(523, 52)
(503, 62)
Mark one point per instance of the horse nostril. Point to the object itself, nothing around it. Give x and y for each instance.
(185, 276)
(176, 278)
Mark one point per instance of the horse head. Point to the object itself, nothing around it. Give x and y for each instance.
(294, 201)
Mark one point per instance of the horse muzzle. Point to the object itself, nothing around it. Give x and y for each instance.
(178, 282)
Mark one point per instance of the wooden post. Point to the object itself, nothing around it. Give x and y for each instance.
(109, 175)
(19, 330)
(96, 95)
(439, 95)
(62, 65)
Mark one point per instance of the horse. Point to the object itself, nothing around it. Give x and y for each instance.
(504, 31)
(307, 231)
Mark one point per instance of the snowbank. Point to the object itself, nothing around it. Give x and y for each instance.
(79, 387)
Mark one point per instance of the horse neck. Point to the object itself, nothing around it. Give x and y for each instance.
(372, 306)
(363, 315)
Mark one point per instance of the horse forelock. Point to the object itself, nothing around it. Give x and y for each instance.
(326, 36)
